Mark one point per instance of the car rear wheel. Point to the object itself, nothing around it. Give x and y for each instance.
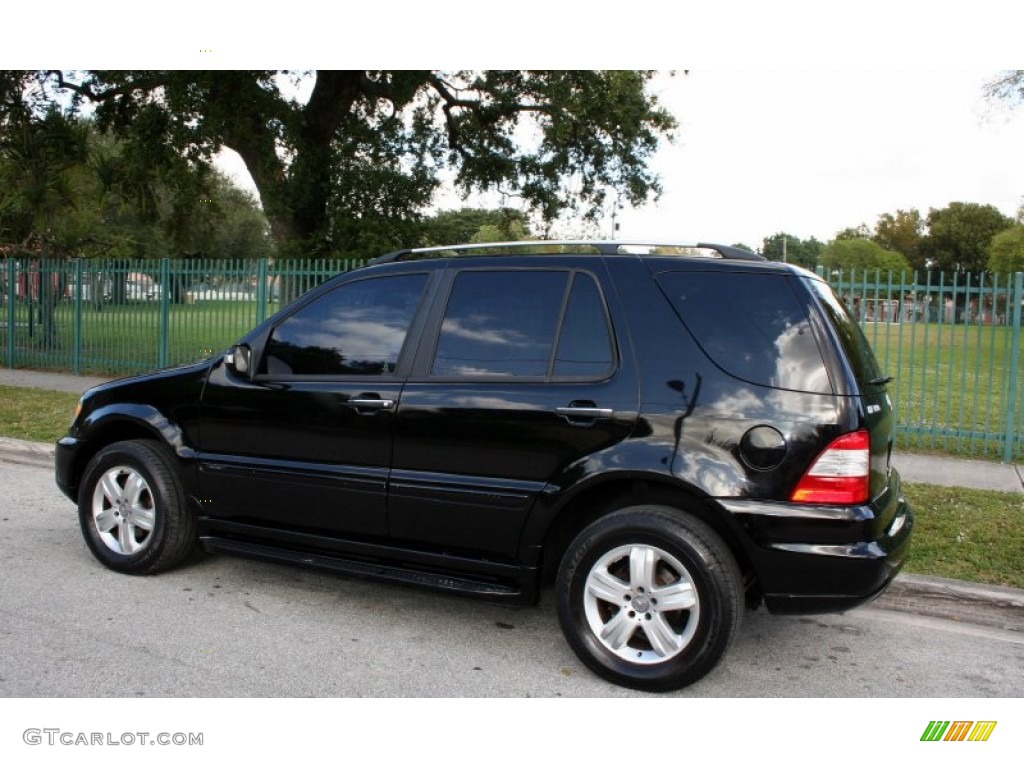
(649, 597)
(132, 509)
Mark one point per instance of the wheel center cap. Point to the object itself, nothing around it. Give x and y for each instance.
(641, 603)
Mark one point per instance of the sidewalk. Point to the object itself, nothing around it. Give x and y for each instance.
(999, 607)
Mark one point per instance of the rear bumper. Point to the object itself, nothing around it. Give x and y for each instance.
(813, 570)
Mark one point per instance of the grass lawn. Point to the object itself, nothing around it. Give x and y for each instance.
(118, 340)
(35, 414)
(966, 534)
(960, 533)
(948, 377)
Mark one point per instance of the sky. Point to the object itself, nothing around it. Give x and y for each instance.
(811, 153)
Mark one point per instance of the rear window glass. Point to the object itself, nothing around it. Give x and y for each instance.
(752, 326)
(855, 343)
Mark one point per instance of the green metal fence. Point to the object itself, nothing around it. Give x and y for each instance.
(122, 317)
(952, 343)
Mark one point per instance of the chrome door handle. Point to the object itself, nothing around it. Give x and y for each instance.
(371, 404)
(579, 412)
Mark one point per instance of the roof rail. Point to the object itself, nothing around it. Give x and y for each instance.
(603, 247)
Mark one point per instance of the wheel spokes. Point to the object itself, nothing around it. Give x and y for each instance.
(111, 490)
(643, 562)
(662, 637)
(604, 586)
(126, 538)
(134, 487)
(124, 510)
(144, 517)
(106, 520)
(618, 630)
(641, 603)
(678, 596)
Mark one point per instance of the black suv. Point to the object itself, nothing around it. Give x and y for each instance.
(671, 433)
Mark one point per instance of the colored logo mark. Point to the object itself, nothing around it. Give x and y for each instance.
(958, 730)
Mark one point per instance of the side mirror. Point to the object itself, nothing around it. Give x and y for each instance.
(239, 360)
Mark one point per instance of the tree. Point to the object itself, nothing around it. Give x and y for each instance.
(785, 247)
(860, 232)
(902, 232)
(466, 224)
(1007, 87)
(366, 151)
(68, 190)
(862, 254)
(1006, 252)
(959, 235)
(37, 158)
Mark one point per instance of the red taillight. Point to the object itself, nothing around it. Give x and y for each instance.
(839, 475)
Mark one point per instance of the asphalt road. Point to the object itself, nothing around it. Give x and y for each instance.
(230, 627)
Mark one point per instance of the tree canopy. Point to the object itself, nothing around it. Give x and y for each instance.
(68, 189)
(959, 235)
(902, 232)
(783, 246)
(474, 225)
(1006, 252)
(859, 254)
(343, 170)
(956, 237)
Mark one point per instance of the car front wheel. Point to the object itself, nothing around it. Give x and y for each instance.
(649, 597)
(132, 509)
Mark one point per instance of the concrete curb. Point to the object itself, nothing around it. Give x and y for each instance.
(26, 452)
(971, 603)
(1001, 607)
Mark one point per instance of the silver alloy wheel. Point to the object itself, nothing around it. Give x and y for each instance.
(641, 604)
(123, 510)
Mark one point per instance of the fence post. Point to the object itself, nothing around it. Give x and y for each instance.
(76, 355)
(1011, 385)
(11, 328)
(165, 311)
(261, 291)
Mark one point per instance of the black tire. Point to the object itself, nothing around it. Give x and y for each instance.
(132, 509)
(608, 604)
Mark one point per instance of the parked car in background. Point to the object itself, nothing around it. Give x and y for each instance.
(669, 434)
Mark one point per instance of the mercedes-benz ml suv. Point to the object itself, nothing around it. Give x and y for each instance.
(671, 434)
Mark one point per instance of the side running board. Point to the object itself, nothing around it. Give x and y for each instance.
(370, 570)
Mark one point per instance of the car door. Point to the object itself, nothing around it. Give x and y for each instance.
(305, 444)
(521, 378)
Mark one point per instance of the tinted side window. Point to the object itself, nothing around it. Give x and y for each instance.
(355, 330)
(500, 323)
(752, 326)
(584, 343)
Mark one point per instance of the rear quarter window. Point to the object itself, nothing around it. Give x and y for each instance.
(753, 326)
(858, 351)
